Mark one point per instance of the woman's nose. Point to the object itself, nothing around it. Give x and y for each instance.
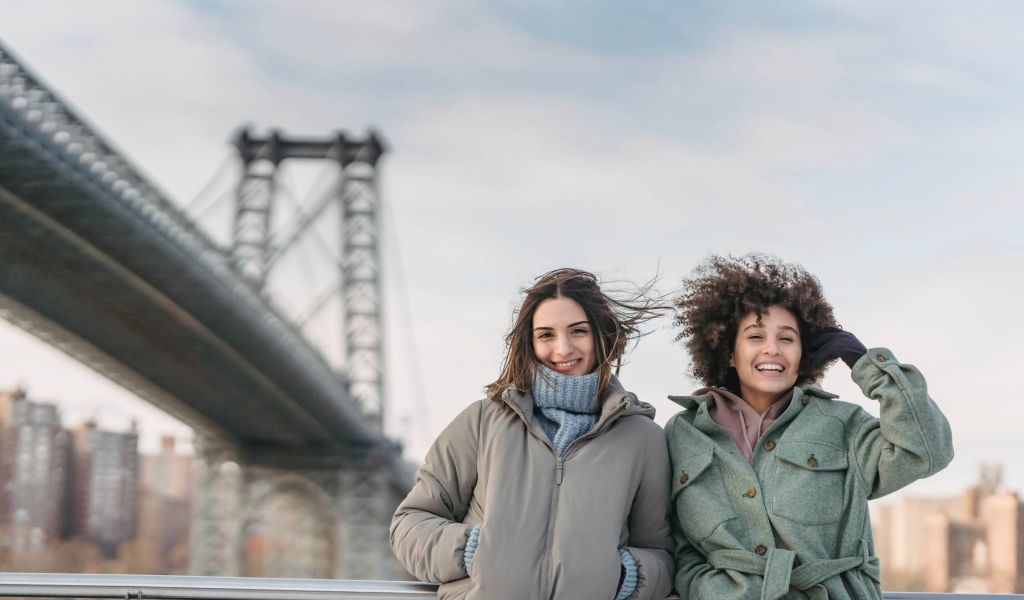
(562, 345)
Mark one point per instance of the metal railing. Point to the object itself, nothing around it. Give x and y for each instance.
(179, 587)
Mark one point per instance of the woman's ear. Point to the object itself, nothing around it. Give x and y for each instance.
(731, 363)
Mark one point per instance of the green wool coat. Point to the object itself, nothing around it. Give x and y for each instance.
(793, 522)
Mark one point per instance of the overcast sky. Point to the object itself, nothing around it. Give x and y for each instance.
(878, 144)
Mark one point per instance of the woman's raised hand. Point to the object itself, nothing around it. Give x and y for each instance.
(832, 343)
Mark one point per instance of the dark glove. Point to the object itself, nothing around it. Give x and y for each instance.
(832, 343)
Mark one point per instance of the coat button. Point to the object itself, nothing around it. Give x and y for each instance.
(751, 492)
(805, 400)
(683, 478)
(812, 462)
(880, 357)
(761, 550)
(769, 445)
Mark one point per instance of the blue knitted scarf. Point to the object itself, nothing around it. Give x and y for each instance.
(565, 405)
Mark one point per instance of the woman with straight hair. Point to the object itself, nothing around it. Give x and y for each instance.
(771, 474)
(554, 486)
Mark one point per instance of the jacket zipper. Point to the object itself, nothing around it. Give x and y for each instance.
(552, 513)
(559, 470)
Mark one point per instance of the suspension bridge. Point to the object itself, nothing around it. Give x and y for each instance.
(298, 477)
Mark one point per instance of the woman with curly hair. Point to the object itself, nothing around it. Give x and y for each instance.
(771, 474)
(556, 485)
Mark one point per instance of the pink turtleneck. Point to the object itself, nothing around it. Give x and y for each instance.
(740, 420)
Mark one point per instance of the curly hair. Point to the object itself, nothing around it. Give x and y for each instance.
(616, 319)
(724, 289)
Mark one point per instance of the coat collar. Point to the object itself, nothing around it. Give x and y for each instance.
(702, 396)
(698, 416)
(692, 402)
(699, 403)
(814, 390)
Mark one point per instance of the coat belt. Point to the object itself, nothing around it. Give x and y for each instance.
(779, 574)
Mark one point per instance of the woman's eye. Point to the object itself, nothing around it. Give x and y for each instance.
(580, 331)
(786, 339)
(755, 337)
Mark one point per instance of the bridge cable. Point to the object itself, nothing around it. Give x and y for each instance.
(422, 407)
(317, 236)
(192, 208)
(290, 308)
(303, 220)
(325, 295)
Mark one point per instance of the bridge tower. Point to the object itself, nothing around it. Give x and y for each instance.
(255, 253)
(322, 516)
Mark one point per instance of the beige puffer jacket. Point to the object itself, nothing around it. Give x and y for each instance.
(550, 527)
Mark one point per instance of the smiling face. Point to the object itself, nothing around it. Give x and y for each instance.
(563, 338)
(767, 356)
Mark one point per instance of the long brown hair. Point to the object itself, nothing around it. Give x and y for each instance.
(614, 323)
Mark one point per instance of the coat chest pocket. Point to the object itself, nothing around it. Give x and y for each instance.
(698, 495)
(810, 479)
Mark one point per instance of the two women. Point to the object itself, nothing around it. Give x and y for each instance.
(771, 475)
(556, 485)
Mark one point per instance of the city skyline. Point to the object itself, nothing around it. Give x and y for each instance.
(77, 497)
(971, 542)
(878, 153)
